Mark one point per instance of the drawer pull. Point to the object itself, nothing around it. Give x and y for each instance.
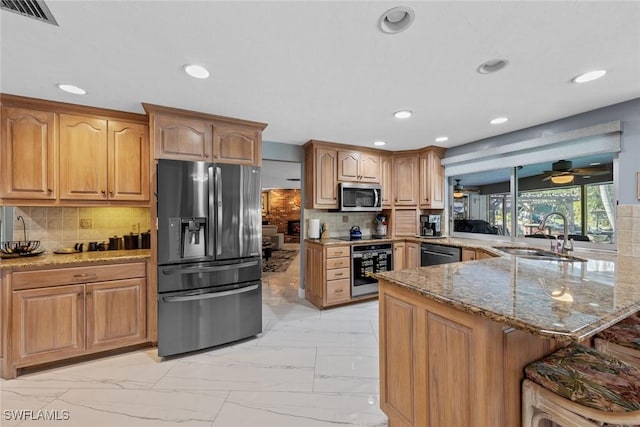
(339, 291)
(339, 263)
(338, 274)
(338, 253)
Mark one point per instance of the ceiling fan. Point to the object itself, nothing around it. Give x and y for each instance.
(562, 172)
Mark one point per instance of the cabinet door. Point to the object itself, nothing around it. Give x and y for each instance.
(468, 254)
(386, 180)
(27, 147)
(48, 323)
(326, 191)
(116, 313)
(406, 222)
(348, 169)
(237, 144)
(313, 275)
(399, 256)
(425, 182)
(405, 177)
(128, 152)
(412, 255)
(369, 167)
(182, 139)
(436, 181)
(83, 158)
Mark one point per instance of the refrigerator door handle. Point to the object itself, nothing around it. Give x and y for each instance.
(219, 186)
(210, 224)
(195, 270)
(209, 295)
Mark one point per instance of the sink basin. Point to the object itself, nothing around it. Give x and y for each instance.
(540, 254)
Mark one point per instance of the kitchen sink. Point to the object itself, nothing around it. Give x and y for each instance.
(539, 254)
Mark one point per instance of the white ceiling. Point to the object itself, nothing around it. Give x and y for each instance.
(322, 69)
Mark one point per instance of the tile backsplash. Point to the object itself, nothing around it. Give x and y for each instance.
(335, 224)
(628, 229)
(58, 227)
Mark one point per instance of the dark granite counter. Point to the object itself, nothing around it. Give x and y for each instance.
(48, 260)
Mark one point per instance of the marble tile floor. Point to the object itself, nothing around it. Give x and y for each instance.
(308, 368)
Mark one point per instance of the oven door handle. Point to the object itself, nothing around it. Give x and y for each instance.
(194, 270)
(210, 295)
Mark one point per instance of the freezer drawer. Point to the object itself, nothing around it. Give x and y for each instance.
(194, 320)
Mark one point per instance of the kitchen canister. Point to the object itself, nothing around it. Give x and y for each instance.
(314, 228)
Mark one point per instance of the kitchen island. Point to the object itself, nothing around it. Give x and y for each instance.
(454, 338)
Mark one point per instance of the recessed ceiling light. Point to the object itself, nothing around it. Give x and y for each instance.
(196, 71)
(72, 89)
(396, 19)
(379, 143)
(442, 139)
(587, 77)
(491, 66)
(499, 120)
(402, 114)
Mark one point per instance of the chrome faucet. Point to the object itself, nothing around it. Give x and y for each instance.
(567, 245)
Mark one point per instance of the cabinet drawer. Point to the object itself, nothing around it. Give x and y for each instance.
(342, 262)
(338, 251)
(338, 291)
(338, 273)
(66, 276)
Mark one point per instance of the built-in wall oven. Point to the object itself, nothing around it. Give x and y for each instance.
(366, 260)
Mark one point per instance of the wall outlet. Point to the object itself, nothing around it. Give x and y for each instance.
(345, 218)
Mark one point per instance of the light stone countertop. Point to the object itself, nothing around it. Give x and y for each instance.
(51, 260)
(563, 300)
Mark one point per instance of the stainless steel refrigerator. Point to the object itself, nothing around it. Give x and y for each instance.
(209, 254)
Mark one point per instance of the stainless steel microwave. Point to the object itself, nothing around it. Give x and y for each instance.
(360, 197)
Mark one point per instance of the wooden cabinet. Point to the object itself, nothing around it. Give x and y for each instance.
(412, 255)
(386, 180)
(48, 323)
(240, 145)
(191, 135)
(399, 251)
(59, 154)
(440, 366)
(405, 222)
(321, 186)
(355, 166)
(431, 179)
(103, 160)
(28, 154)
(405, 179)
(67, 312)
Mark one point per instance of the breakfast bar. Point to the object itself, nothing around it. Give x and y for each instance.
(454, 338)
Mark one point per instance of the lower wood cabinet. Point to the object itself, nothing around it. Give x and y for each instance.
(62, 313)
(471, 254)
(440, 366)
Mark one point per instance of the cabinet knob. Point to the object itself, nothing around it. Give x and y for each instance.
(104, 193)
(49, 190)
(111, 193)
(206, 155)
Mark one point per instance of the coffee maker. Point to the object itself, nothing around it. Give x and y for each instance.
(430, 225)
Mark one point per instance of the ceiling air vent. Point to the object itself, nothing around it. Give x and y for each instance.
(35, 9)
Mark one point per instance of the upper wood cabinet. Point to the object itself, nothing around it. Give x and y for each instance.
(190, 135)
(181, 138)
(103, 159)
(54, 153)
(28, 146)
(431, 179)
(405, 179)
(355, 166)
(386, 180)
(236, 144)
(321, 187)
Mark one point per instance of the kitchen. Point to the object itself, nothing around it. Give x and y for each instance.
(626, 179)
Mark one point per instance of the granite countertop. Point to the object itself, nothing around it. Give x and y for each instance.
(53, 260)
(564, 300)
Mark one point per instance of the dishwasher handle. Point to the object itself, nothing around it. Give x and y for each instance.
(425, 251)
(210, 295)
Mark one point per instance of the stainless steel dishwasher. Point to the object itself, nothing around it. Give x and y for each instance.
(431, 254)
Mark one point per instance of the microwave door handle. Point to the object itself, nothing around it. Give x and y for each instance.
(209, 295)
(219, 210)
(377, 198)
